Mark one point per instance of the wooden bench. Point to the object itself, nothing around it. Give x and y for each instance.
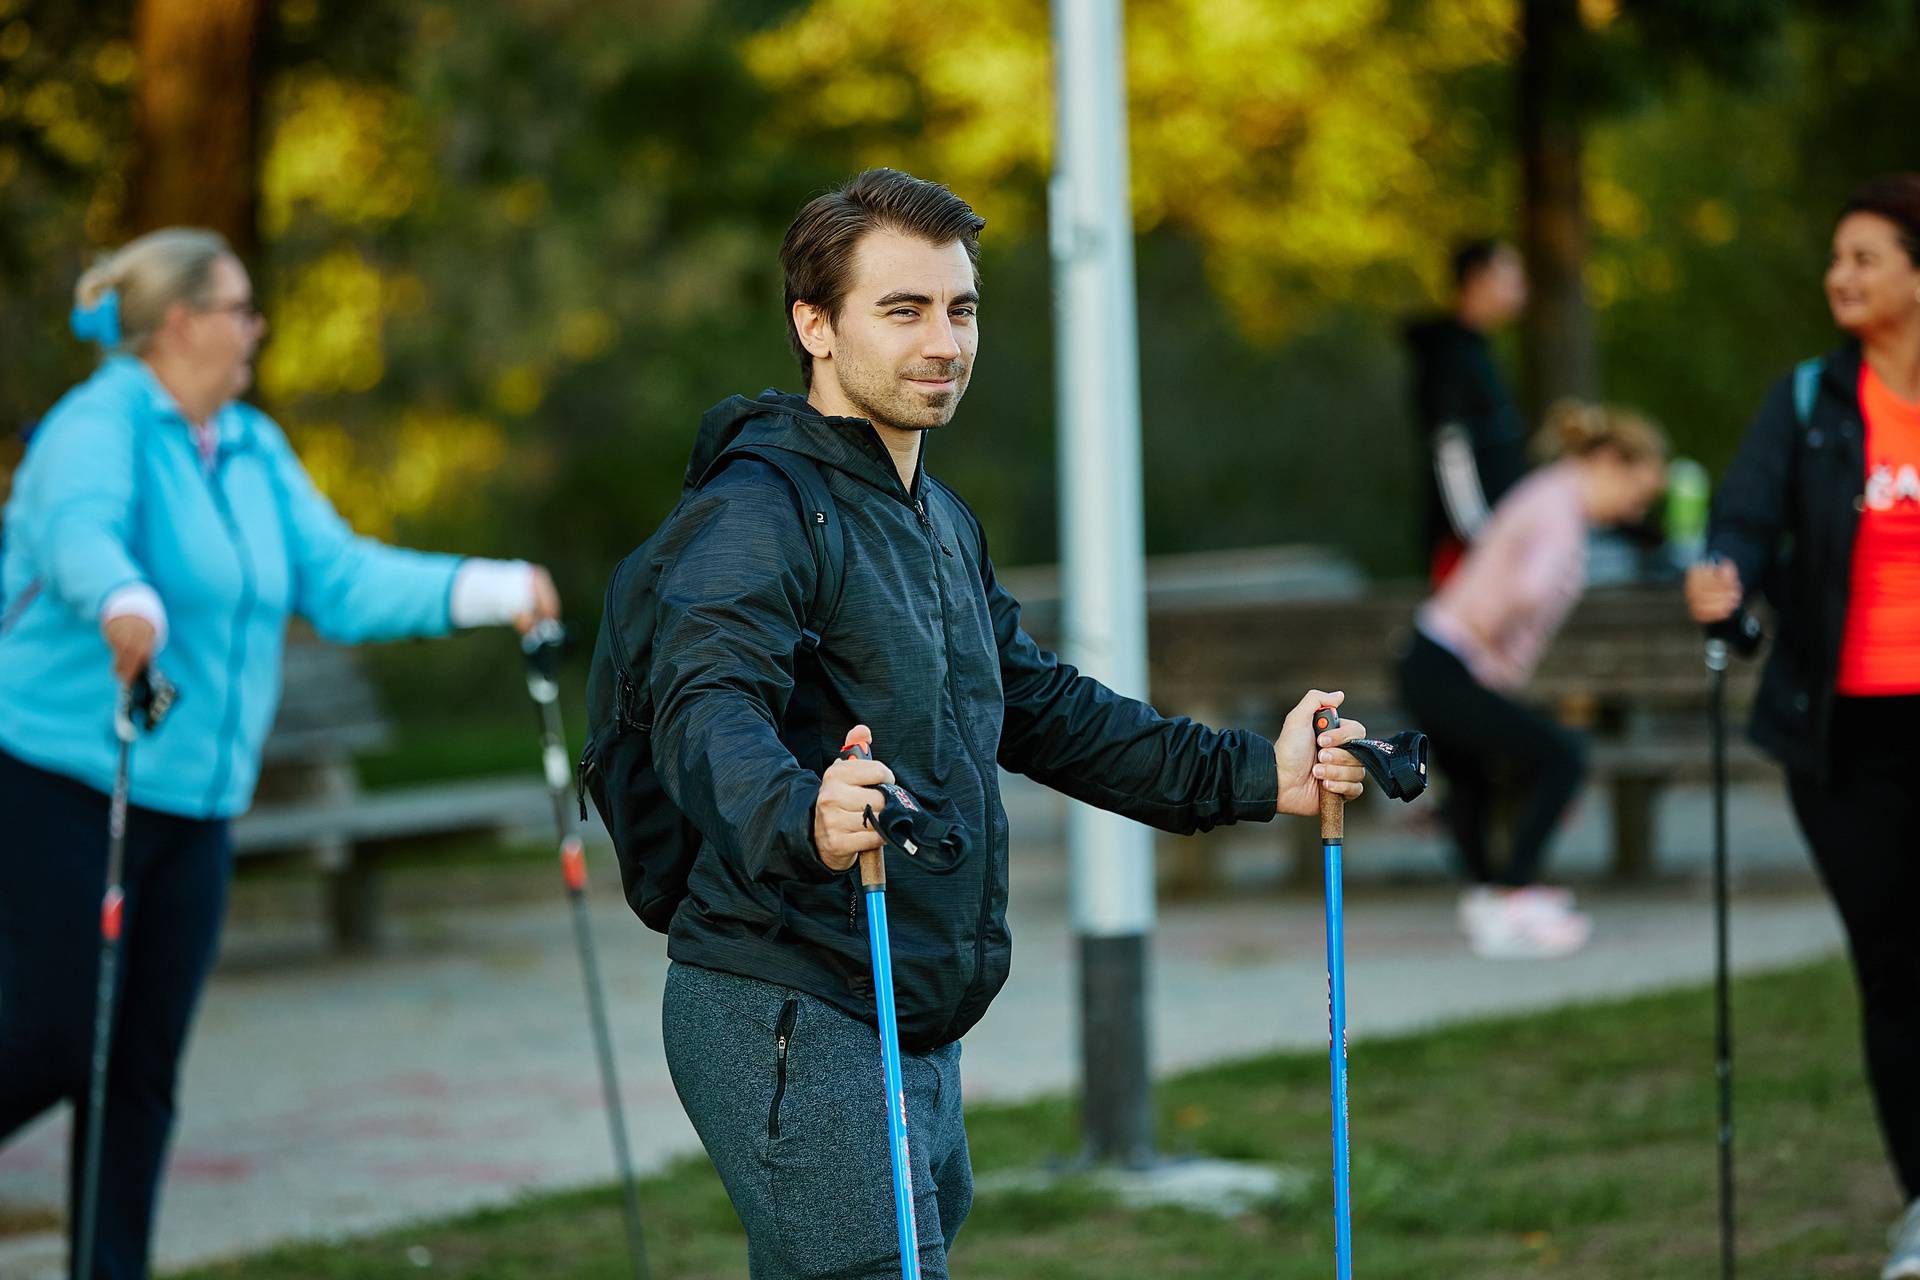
(351, 830)
(310, 803)
(1628, 669)
(1636, 771)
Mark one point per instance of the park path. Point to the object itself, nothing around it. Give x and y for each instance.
(327, 1097)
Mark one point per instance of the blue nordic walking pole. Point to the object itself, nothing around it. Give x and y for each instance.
(1399, 765)
(873, 885)
(142, 704)
(1332, 844)
(542, 648)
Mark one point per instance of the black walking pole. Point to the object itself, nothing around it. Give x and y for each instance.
(1742, 633)
(141, 705)
(542, 647)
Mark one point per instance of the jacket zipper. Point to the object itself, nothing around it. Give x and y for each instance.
(782, 1036)
(588, 763)
(986, 798)
(1852, 436)
(237, 654)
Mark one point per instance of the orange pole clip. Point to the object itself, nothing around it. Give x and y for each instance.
(573, 864)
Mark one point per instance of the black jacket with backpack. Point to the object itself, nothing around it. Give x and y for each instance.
(1786, 515)
(721, 661)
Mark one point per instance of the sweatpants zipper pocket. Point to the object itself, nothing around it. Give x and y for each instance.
(783, 1033)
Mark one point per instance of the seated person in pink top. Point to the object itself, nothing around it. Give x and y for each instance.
(1476, 644)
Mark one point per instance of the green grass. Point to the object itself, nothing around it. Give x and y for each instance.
(1574, 1144)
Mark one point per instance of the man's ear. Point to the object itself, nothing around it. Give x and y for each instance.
(815, 327)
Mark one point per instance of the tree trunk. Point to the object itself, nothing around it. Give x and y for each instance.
(1557, 332)
(196, 116)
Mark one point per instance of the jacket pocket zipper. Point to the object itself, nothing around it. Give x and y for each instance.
(782, 1036)
(582, 772)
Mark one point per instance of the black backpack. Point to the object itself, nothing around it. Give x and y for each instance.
(654, 841)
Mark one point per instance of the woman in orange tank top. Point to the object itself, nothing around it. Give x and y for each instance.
(1831, 467)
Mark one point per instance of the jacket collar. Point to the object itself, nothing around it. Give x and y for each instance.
(1841, 373)
(848, 445)
(157, 404)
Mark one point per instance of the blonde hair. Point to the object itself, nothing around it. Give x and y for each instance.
(1579, 429)
(150, 274)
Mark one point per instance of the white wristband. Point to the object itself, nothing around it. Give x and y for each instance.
(137, 600)
(490, 593)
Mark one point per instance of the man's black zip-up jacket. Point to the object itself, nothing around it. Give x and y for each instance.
(927, 649)
(1786, 514)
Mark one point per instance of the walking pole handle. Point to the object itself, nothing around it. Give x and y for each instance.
(543, 646)
(1333, 808)
(873, 864)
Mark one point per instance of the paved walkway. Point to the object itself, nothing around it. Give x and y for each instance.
(328, 1097)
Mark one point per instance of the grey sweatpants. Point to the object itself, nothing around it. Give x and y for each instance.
(800, 1137)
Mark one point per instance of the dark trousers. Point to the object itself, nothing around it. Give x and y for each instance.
(53, 868)
(1864, 828)
(1483, 741)
(787, 1095)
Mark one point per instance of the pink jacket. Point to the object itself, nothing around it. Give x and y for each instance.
(1519, 580)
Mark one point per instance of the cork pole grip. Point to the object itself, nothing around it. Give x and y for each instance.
(873, 863)
(1333, 809)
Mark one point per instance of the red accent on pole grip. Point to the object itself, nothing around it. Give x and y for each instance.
(110, 914)
(1324, 719)
(573, 864)
(859, 743)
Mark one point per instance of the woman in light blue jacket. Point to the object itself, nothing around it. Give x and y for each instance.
(157, 519)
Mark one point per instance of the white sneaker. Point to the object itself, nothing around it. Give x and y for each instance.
(1476, 903)
(1904, 1239)
(1547, 898)
(1522, 927)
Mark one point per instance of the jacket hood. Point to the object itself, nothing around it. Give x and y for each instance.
(785, 421)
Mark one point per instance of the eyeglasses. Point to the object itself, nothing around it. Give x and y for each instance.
(244, 308)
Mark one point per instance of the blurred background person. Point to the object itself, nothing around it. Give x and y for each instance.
(1477, 642)
(1831, 468)
(1474, 439)
(155, 513)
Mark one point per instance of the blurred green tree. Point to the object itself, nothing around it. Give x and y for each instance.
(511, 249)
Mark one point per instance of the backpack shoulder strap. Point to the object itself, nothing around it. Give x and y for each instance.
(822, 517)
(1806, 386)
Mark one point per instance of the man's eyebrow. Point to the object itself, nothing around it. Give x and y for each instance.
(898, 296)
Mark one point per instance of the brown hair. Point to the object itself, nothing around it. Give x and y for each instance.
(817, 254)
(1579, 429)
(1895, 197)
(150, 274)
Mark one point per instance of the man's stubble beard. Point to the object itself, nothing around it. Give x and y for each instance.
(886, 402)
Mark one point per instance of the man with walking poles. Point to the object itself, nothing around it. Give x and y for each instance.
(815, 578)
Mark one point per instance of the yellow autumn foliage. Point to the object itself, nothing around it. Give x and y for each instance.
(1304, 146)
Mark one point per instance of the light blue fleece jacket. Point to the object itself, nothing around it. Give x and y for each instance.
(113, 492)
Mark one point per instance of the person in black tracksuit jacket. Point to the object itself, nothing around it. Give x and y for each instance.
(769, 1022)
(1820, 509)
(1473, 439)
